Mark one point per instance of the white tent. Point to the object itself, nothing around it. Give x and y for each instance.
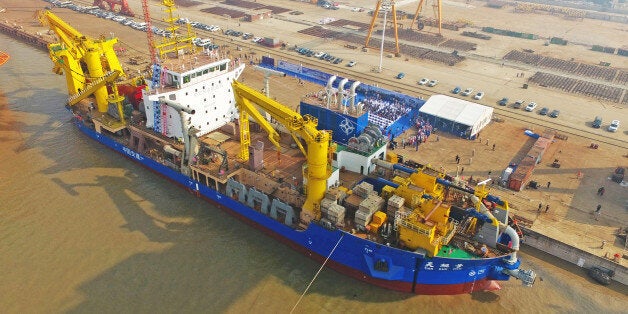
(460, 117)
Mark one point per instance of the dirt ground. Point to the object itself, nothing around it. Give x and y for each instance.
(571, 200)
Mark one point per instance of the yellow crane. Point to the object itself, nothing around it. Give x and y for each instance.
(437, 10)
(76, 50)
(385, 6)
(319, 149)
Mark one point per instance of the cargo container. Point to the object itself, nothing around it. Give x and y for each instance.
(271, 42)
(520, 177)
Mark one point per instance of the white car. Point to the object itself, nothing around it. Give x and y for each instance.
(531, 106)
(319, 54)
(467, 91)
(614, 126)
(351, 63)
(424, 81)
(432, 83)
(479, 95)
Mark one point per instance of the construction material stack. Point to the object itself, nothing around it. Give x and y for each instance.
(395, 204)
(330, 209)
(368, 207)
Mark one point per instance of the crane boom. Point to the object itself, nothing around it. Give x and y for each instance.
(317, 141)
(93, 86)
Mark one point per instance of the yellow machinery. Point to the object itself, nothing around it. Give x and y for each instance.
(76, 51)
(426, 226)
(319, 150)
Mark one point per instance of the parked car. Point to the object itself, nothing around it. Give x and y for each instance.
(601, 274)
(337, 60)
(467, 91)
(554, 113)
(614, 126)
(597, 122)
(518, 104)
(503, 101)
(424, 81)
(456, 90)
(351, 63)
(401, 75)
(531, 106)
(544, 111)
(432, 83)
(479, 95)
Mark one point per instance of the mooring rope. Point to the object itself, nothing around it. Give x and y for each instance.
(318, 272)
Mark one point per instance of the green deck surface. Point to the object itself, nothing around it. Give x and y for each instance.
(455, 253)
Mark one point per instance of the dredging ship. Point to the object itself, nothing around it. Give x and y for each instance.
(356, 208)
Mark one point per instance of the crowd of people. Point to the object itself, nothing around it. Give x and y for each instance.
(424, 129)
(383, 112)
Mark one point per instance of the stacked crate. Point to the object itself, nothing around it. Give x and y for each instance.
(335, 194)
(364, 189)
(395, 204)
(332, 211)
(367, 208)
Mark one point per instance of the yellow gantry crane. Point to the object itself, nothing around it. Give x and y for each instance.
(437, 10)
(318, 142)
(76, 52)
(385, 6)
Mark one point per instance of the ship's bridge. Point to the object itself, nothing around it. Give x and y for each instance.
(183, 72)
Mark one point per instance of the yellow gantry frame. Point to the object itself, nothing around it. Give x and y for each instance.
(372, 26)
(439, 13)
(75, 49)
(317, 141)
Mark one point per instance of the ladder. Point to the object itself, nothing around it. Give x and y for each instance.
(93, 86)
(156, 79)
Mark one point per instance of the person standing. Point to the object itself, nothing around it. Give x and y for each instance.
(548, 184)
(493, 147)
(597, 212)
(546, 208)
(540, 206)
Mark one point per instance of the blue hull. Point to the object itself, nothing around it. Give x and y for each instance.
(406, 271)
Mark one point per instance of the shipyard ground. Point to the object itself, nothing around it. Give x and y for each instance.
(571, 199)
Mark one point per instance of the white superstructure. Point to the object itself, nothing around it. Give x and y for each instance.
(205, 88)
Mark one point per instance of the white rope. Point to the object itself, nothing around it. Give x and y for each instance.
(318, 272)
